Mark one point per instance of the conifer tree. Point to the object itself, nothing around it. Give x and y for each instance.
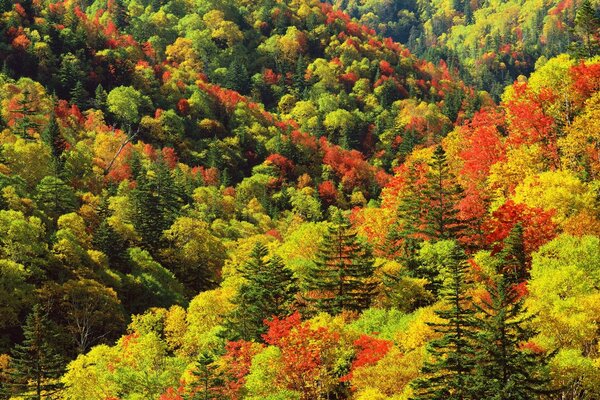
(449, 374)
(209, 379)
(79, 95)
(443, 194)
(100, 98)
(405, 235)
(587, 27)
(342, 276)
(269, 290)
(52, 137)
(506, 370)
(514, 257)
(36, 365)
(24, 125)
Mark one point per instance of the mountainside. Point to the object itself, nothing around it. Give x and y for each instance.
(215, 199)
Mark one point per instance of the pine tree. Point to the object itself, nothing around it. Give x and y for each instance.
(35, 363)
(100, 98)
(79, 95)
(505, 369)
(443, 194)
(25, 125)
(342, 276)
(51, 136)
(157, 202)
(449, 375)
(209, 379)
(514, 257)
(406, 234)
(54, 197)
(269, 290)
(587, 27)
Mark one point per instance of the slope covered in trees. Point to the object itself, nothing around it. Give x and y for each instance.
(272, 200)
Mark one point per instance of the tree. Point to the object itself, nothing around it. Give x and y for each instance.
(24, 125)
(127, 104)
(449, 374)
(342, 276)
(515, 259)
(193, 254)
(90, 312)
(509, 366)
(36, 364)
(443, 193)
(587, 27)
(209, 379)
(268, 292)
(54, 197)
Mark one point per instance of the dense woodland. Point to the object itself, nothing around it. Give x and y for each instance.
(295, 199)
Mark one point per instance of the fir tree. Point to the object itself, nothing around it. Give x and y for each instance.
(156, 201)
(209, 379)
(55, 198)
(587, 27)
(269, 290)
(514, 257)
(449, 374)
(79, 95)
(406, 234)
(36, 365)
(443, 194)
(342, 276)
(100, 98)
(24, 125)
(51, 136)
(505, 369)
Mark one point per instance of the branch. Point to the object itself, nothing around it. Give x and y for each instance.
(128, 139)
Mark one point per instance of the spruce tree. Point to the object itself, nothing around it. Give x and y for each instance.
(406, 234)
(342, 276)
(100, 98)
(514, 257)
(24, 124)
(51, 136)
(443, 194)
(79, 95)
(36, 365)
(209, 379)
(506, 370)
(587, 27)
(269, 290)
(449, 373)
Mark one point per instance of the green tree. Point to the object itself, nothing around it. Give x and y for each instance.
(24, 125)
(448, 375)
(35, 363)
(587, 28)
(127, 104)
(443, 194)
(54, 197)
(506, 368)
(342, 275)
(209, 379)
(269, 290)
(514, 257)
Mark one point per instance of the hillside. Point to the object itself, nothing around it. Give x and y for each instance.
(219, 199)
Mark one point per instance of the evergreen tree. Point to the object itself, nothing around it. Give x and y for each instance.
(24, 125)
(449, 374)
(100, 98)
(54, 197)
(36, 365)
(79, 96)
(269, 290)
(514, 257)
(157, 202)
(406, 234)
(443, 194)
(587, 27)
(342, 276)
(51, 136)
(209, 379)
(505, 369)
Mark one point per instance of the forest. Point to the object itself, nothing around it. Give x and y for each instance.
(300, 199)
